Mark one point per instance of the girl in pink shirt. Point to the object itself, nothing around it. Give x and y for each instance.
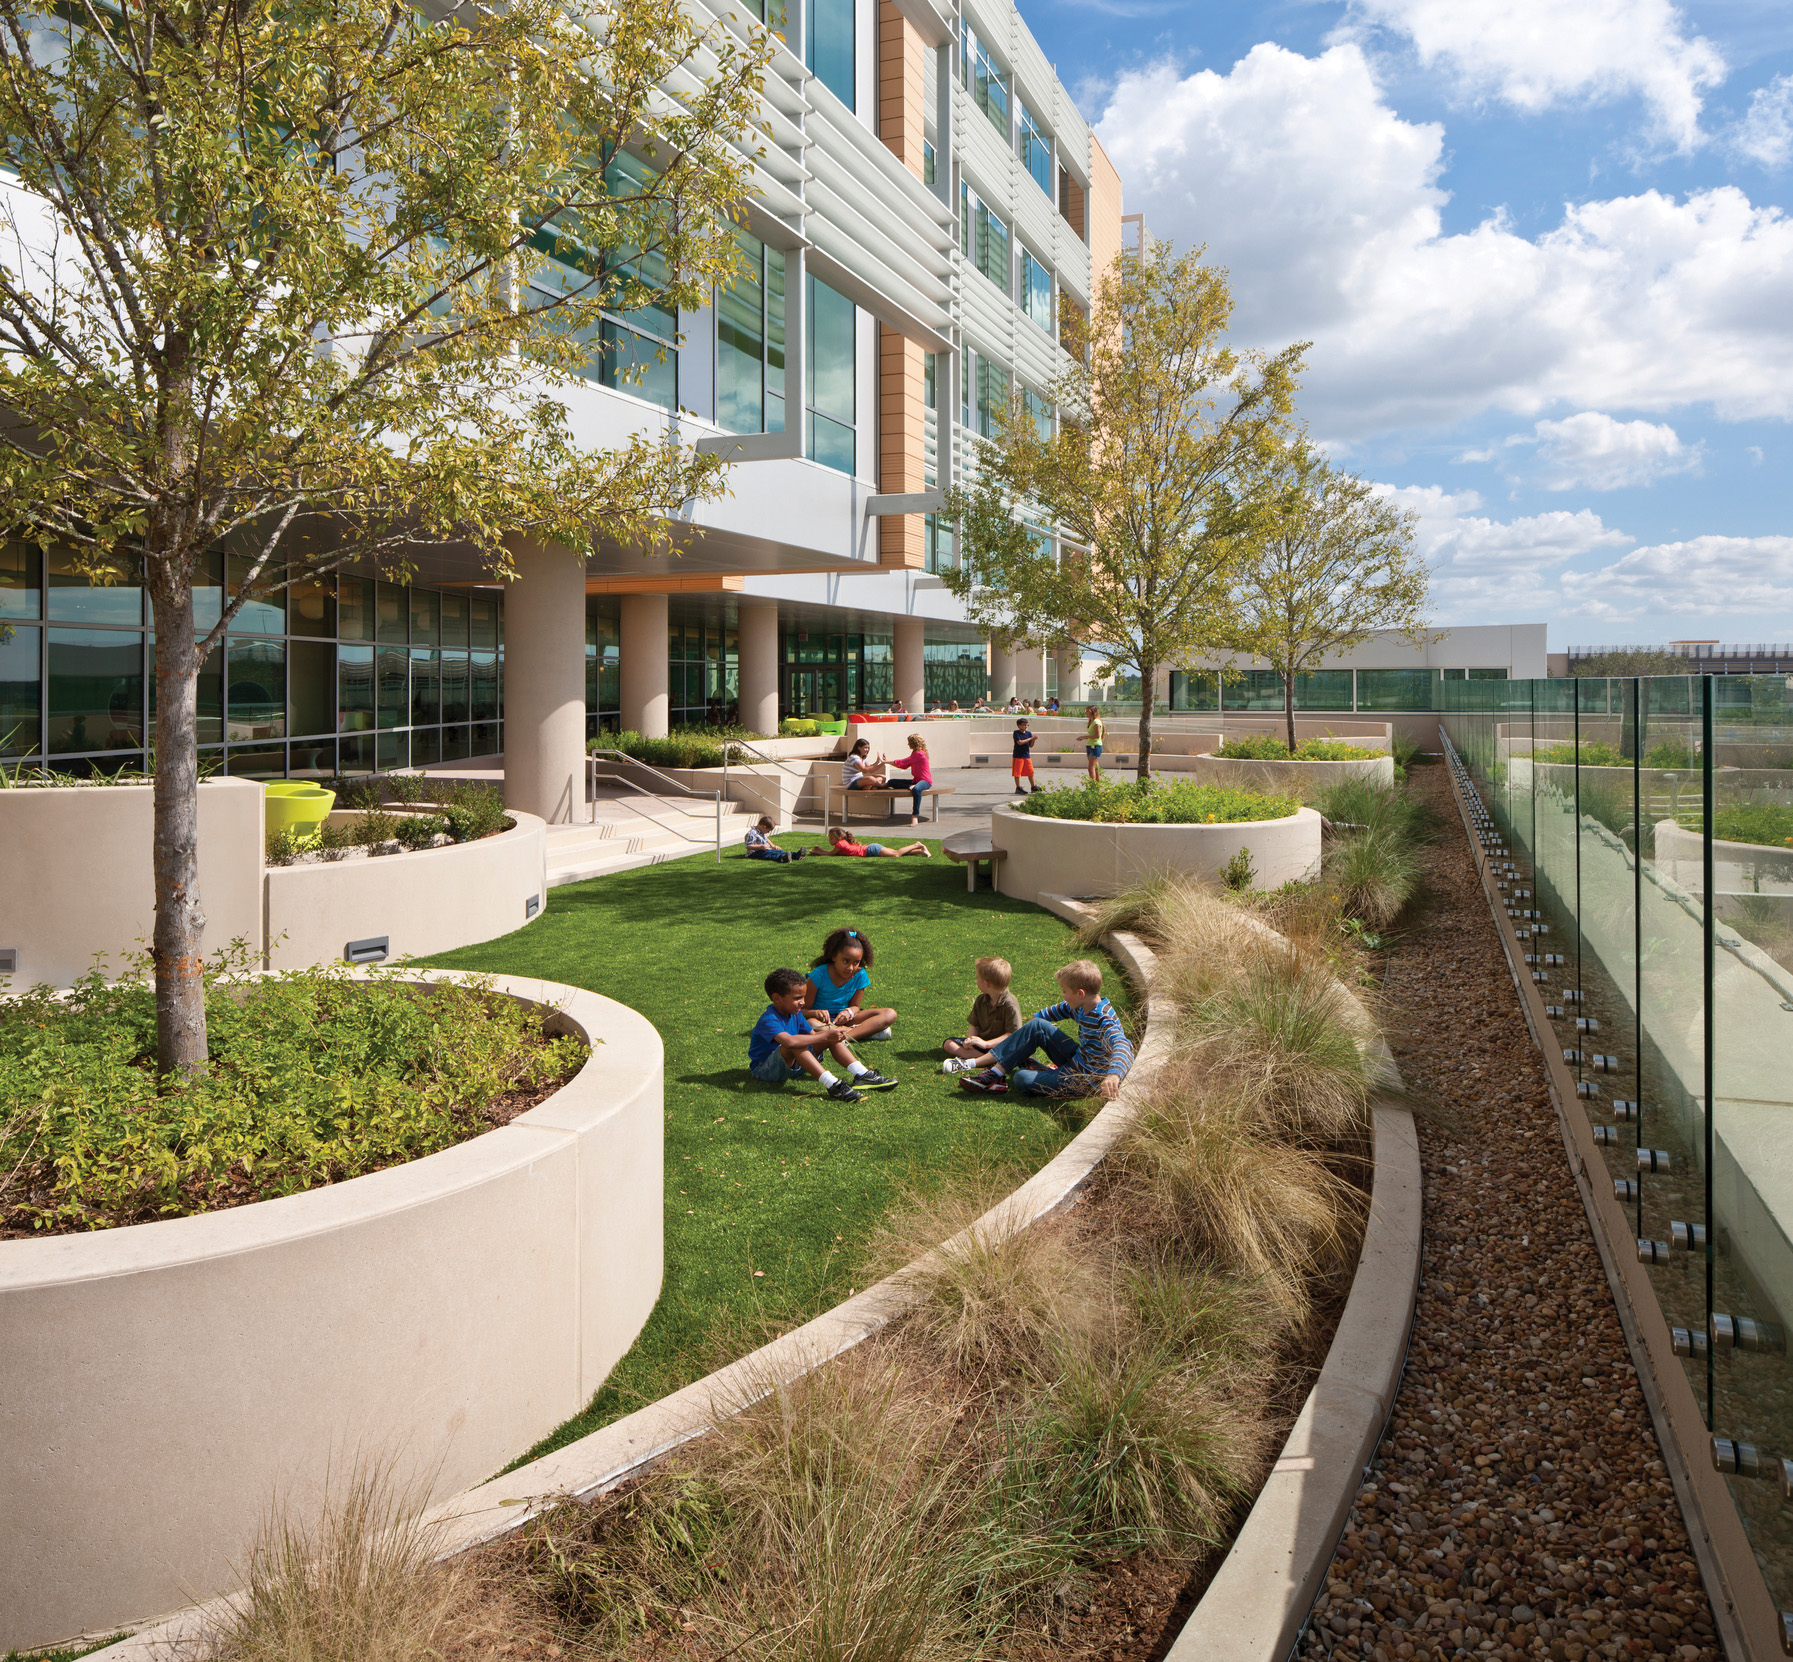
(920, 771)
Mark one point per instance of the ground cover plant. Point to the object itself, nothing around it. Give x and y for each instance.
(1065, 1416)
(313, 1077)
(1266, 747)
(1595, 753)
(467, 809)
(771, 1193)
(1155, 801)
(683, 747)
(1754, 822)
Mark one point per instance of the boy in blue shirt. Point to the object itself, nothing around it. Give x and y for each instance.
(1023, 758)
(1092, 1064)
(784, 1043)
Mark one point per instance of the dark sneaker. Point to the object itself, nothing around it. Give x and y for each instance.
(841, 1091)
(989, 1083)
(872, 1080)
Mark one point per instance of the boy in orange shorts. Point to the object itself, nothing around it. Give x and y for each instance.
(1023, 763)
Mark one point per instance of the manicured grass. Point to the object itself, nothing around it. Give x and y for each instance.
(770, 1193)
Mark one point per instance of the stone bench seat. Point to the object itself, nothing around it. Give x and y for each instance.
(968, 848)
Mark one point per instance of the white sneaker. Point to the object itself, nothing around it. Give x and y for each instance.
(963, 1064)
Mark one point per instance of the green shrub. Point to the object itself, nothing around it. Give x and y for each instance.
(1754, 822)
(420, 830)
(1155, 802)
(374, 827)
(1266, 747)
(1671, 753)
(1239, 873)
(313, 1077)
(1595, 753)
(286, 843)
(334, 841)
(683, 747)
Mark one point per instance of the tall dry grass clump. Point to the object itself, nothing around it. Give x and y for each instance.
(356, 1581)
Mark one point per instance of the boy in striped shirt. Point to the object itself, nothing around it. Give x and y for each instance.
(1095, 1062)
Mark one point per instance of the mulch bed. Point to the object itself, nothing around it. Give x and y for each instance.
(1519, 1505)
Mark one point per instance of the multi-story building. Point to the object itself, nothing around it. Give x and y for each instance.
(929, 204)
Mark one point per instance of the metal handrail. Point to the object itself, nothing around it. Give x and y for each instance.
(591, 765)
(800, 779)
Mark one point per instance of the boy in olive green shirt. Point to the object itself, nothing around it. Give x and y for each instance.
(995, 1013)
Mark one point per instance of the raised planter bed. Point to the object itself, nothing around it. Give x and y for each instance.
(1289, 778)
(161, 1382)
(1084, 857)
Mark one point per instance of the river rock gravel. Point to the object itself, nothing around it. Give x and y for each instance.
(1518, 1505)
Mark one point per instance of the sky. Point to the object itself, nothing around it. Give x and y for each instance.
(1543, 250)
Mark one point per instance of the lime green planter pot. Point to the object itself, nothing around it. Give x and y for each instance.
(295, 805)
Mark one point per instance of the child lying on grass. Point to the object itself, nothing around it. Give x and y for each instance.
(1095, 1062)
(840, 843)
(784, 1043)
(995, 1013)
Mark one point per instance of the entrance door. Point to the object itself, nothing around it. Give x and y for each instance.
(814, 692)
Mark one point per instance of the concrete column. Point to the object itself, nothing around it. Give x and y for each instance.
(544, 682)
(1070, 666)
(1002, 673)
(759, 665)
(646, 706)
(911, 663)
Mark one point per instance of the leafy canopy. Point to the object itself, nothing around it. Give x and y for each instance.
(1161, 426)
(282, 277)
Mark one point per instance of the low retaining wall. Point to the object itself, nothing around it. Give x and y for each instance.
(159, 1384)
(422, 901)
(1069, 856)
(79, 882)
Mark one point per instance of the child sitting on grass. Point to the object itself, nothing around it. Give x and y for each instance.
(840, 843)
(1096, 1061)
(995, 1013)
(784, 1043)
(837, 982)
(761, 847)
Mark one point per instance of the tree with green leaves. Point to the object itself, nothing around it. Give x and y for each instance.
(1161, 427)
(1336, 565)
(301, 283)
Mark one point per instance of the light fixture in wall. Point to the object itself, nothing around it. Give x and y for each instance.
(9, 960)
(374, 950)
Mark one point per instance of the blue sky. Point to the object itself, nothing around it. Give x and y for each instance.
(1544, 250)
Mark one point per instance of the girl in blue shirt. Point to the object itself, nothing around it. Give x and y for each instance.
(837, 983)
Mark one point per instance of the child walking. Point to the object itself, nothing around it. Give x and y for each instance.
(994, 1013)
(784, 1043)
(837, 983)
(921, 774)
(1023, 757)
(1094, 1063)
(761, 847)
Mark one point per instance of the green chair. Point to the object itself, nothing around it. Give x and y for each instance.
(296, 804)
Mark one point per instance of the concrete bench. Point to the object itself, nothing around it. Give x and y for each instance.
(887, 794)
(968, 848)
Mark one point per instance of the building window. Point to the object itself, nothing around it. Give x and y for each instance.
(927, 162)
(984, 79)
(750, 343)
(1039, 407)
(1035, 149)
(992, 395)
(830, 368)
(938, 553)
(831, 46)
(984, 237)
(930, 379)
(1036, 291)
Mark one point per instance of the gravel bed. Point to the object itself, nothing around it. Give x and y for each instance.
(1518, 1505)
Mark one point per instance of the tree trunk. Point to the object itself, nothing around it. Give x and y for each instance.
(1148, 686)
(1288, 707)
(178, 946)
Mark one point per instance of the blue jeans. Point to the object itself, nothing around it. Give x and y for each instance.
(781, 855)
(1038, 1034)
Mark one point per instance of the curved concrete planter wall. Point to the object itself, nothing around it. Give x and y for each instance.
(159, 1384)
(1082, 857)
(88, 886)
(1300, 779)
(428, 900)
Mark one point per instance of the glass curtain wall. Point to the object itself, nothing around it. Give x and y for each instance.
(337, 675)
(1642, 837)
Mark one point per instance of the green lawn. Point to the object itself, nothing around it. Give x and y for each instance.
(770, 1193)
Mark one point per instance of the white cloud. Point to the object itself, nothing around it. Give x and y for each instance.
(1704, 577)
(1592, 451)
(1538, 54)
(1565, 566)
(1765, 134)
(1325, 205)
